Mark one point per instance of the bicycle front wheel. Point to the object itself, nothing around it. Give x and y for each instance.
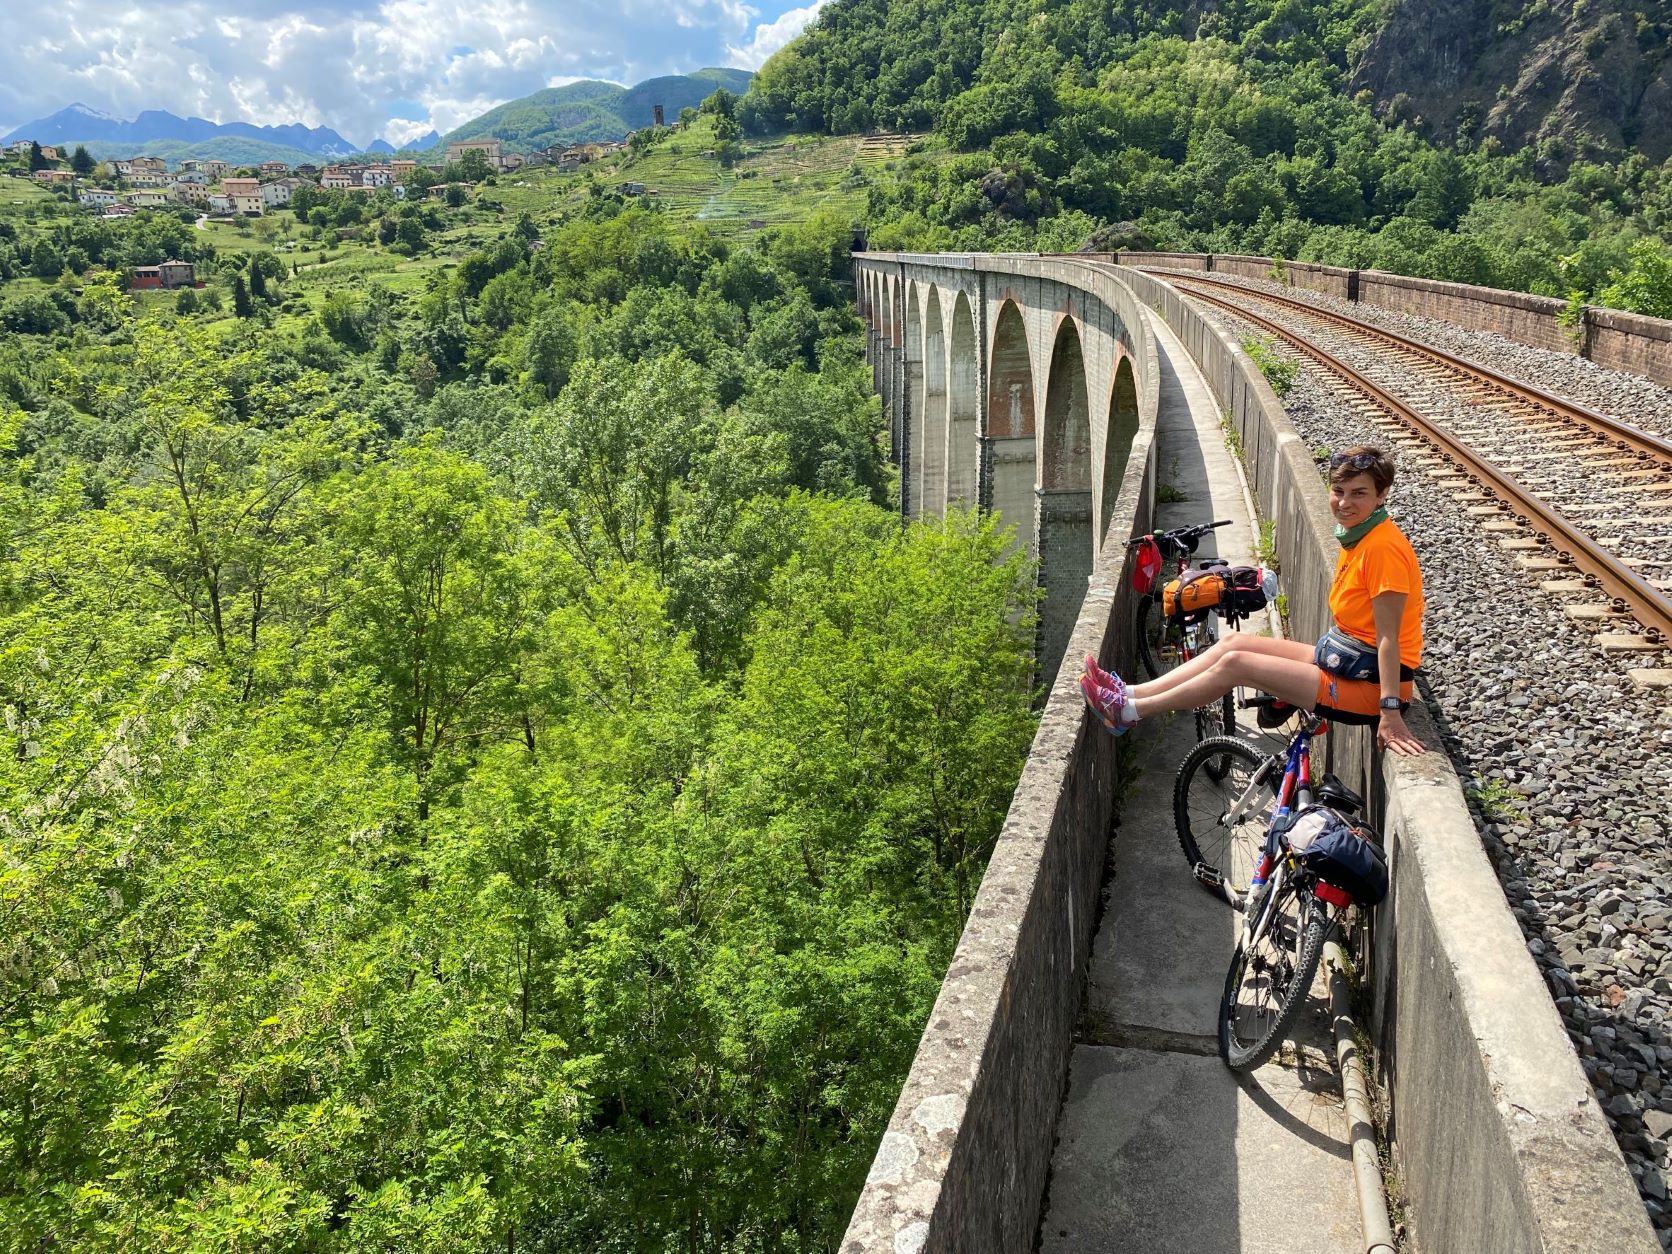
(1270, 979)
(1223, 800)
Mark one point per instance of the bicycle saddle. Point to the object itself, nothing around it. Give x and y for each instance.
(1337, 796)
(1208, 563)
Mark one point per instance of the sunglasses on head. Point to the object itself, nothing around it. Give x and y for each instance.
(1358, 461)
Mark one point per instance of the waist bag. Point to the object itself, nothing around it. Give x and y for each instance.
(1345, 656)
(1338, 853)
(1236, 590)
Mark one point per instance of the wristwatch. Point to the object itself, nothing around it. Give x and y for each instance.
(1389, 703)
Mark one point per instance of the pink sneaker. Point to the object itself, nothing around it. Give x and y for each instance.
(1106, 694)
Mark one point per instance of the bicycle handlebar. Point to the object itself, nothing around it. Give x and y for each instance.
(1179, 533)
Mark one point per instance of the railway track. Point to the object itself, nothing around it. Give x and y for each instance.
(1554, 462)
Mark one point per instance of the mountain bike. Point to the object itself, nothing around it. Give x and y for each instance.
(1228, 793)
(1167, 641)
(1295, 894)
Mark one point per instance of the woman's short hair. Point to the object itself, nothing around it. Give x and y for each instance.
(1363, 460)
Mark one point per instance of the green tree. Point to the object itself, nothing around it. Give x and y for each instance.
(550, 350)
(81, 161)
(45, 261)
(241, 297)
(1646, 286)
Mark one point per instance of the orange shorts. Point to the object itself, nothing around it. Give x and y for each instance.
(1355, 700)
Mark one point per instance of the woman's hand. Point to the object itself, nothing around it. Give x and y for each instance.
(1392, 734)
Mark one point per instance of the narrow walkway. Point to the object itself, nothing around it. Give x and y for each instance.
(1160, 1148)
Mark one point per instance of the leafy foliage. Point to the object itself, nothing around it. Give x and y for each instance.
(482, 768)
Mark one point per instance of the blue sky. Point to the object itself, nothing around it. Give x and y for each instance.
(394, 68)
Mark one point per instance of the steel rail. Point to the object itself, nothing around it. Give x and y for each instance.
(1622, 434)
(1624, 586)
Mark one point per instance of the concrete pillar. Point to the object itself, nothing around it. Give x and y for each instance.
(1063, 525)
(931, 479)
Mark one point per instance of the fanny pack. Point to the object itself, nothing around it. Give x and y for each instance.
(1345, 657)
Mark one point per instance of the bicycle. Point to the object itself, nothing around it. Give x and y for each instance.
(1289, 902)
(1228, 793)
(1167, 641)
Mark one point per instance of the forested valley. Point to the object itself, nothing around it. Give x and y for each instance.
(482, 770)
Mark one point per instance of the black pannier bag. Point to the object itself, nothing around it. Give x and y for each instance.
(1338, 853)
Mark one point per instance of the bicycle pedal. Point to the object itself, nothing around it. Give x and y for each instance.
(1208, 875)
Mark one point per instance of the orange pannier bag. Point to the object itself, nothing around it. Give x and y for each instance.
(1193, 591)
(1236, 590)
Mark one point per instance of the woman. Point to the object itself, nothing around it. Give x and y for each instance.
(1375, 601)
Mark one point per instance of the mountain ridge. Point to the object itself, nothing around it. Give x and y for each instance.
(594, 109)
(78, 123)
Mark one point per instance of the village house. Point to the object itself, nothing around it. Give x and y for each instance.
(99, 197)
(168, 275)
(439, 191)
(220, 202)
(245, 195)
(190, 193)
(511, 161)
(192, 176)
(338, 177)
(148, 198)
(492, 149)
(214, 169)
(377, 176)
(54, 178)
(21, 147)
(149, 178)
(122, 168)
(280, 191)
(403, 166)
(113, 212)
(273, 167)
(148, 165)
(51, 153)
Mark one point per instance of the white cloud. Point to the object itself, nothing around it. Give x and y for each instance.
(345, 63)
(771, 36)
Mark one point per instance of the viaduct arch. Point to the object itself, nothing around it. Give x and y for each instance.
(1012, 384)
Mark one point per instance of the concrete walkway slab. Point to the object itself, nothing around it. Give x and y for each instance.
(1160, 1147)
(1167, 1151)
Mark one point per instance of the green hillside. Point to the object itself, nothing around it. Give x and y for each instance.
(1260, 127)
(222, 148)
(591, 110)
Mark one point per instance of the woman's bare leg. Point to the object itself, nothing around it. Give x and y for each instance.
(1288, 678)
(1235, 642)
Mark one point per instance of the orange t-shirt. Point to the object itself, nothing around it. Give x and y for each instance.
(1383, 561)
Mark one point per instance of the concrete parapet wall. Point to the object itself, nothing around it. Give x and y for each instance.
(1517, 316)
(1628, 341)
(1609, 337)
(963, 1165)
(1504, 1146)
(1501, 1143)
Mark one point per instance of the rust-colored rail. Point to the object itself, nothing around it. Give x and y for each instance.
(1622, 435)
(1629, 590)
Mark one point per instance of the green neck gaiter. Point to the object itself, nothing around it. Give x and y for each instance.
(1349, 536)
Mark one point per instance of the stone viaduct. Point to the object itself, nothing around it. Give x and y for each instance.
(1043, 388)
(1009, 383)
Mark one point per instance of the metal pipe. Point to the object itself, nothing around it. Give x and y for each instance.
(1367, 1168)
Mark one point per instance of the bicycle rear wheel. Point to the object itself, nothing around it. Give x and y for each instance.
(1160, 639)
(1270, 979)
(1223, 801)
